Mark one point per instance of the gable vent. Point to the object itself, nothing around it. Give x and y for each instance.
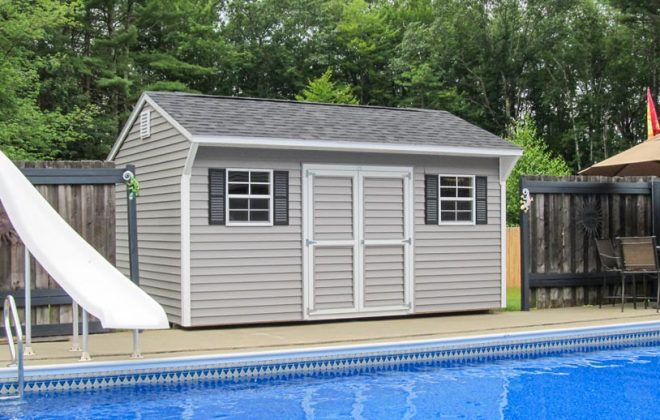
(145, 124)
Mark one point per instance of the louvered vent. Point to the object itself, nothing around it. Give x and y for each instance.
(145, 124)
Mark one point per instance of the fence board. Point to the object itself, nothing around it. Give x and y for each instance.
(89, 209)
(513, 257)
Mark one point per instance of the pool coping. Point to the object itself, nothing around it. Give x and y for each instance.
(285, 363)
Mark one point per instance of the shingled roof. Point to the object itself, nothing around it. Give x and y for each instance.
(204, 115)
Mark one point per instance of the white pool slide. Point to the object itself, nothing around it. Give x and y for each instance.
(73, 263)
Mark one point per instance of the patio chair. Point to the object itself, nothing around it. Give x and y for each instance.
(610, 261)
(639, 256)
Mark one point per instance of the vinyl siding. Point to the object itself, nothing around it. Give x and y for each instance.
(383, 208)
(333, 278)
(247, 274)
(458, 267)
(244, 274)
(159, 161)
(333, 208)
(383, 276)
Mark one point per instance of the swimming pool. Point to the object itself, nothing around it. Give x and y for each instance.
(606, 372)
(608, 384)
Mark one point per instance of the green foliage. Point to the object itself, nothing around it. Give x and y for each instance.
(580, 67)
(325, 90)
(536, 160)
(26, 130)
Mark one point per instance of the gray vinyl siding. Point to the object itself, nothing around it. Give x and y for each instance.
(244, 274)
(159, 161)
(333, 278)
(383, 219)
(333, 208)
(458, 267)
(384, 276)
(383, 208)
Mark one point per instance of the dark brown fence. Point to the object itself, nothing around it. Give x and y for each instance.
(559, 262)
(90, 210)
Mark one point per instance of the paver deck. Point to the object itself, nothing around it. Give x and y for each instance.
(179, 342)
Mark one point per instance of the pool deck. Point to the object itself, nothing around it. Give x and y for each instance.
(178, 342)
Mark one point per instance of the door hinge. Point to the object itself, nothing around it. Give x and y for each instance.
(309, 242)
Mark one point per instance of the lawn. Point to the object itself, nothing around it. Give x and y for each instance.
(512, 299)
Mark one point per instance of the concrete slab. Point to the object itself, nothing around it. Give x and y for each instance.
(178, 342)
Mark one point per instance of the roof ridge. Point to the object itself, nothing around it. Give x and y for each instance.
(291, 101)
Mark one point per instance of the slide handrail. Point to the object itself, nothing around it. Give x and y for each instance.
(11, 313)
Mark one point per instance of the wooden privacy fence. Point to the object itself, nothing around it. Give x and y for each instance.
(83, 193)
(559, 262)
(513, 257)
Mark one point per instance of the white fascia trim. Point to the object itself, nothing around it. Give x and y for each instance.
(144, 99)
(186, 304)
(280, 143)
(506, 165)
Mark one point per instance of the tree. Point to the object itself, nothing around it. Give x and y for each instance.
(536, 160)
(27, 131)
(325, 90)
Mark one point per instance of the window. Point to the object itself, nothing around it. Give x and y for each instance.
(456, 199)
(249, 197)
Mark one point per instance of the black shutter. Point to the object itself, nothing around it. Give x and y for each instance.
(217, 196)
(280, 197)
(481, 189)
(431, 199)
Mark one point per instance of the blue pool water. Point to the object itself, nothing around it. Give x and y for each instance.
(606, 384)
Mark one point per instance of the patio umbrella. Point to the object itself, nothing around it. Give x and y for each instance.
(640, 160)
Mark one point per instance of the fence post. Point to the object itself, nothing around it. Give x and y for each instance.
(132, 232)
(655, 206)
(524, 254)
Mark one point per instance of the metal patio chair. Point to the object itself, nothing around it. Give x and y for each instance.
(610, 262)
(639, 256)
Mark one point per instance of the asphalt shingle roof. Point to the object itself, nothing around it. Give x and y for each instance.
(249, 117)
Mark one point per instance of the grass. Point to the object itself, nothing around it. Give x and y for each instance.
(512, 299)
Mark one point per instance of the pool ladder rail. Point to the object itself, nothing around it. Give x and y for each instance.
(15, 351)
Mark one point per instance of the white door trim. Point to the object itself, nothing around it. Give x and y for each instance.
(358, 172)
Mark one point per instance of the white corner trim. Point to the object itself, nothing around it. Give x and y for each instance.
(506, 165)
(503, 240)
(186, 307)
(137, 110)
(281, 143)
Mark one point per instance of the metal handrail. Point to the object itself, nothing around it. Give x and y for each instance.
(16, 356)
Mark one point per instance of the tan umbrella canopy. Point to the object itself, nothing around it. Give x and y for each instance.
(640, 160)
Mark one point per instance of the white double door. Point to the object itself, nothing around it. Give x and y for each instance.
(357, 240)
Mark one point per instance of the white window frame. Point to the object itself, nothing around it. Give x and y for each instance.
(228, 222)
(473, 199)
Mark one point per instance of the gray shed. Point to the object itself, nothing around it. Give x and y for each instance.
(256, 210)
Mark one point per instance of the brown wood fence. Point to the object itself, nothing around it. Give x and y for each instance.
(90, 210)
(560, 265)
(513, 257)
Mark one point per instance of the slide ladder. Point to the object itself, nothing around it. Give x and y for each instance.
(15, 351)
